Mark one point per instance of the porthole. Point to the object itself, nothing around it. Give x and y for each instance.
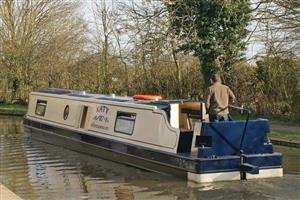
(66, 112)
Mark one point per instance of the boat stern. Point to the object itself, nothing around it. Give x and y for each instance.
(235, 150)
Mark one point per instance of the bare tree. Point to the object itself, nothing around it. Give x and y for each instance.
(36, 39)
(278, 26)
(105, 20)
(148, 25)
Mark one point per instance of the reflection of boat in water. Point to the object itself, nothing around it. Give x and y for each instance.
(71, 175)
(157, 135)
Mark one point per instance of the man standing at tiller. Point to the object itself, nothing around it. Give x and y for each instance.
(217, 100)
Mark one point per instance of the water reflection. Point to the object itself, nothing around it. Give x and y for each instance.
(36, 170)
(291, 159)
(62, 172)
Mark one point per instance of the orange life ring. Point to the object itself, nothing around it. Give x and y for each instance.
(146, 97)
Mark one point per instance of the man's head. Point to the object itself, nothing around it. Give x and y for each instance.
(216, 78)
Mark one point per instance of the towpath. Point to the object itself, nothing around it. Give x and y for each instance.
(285, 141)
(285, 128)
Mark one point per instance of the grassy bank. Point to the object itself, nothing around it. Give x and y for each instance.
(13, 108)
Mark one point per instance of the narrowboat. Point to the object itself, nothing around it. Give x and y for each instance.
(144, 131)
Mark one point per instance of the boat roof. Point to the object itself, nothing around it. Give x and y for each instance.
(161, 104)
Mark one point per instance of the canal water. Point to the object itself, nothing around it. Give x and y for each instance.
(35, 170)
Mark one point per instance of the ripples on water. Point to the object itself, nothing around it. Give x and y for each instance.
(35, 170)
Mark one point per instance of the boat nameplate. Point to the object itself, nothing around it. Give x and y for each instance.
(100, 120)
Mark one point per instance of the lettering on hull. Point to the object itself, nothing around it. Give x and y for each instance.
(101, 120)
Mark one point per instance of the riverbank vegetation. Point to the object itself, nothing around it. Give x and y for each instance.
(154, 47)
(13, 109)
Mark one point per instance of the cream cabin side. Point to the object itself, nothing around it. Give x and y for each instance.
(137, 124)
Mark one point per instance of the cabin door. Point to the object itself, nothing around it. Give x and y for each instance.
(83, 119)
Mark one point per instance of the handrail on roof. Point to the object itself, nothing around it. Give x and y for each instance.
(55, 91)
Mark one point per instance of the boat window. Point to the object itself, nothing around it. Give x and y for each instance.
(40, 108)
(125, 122)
